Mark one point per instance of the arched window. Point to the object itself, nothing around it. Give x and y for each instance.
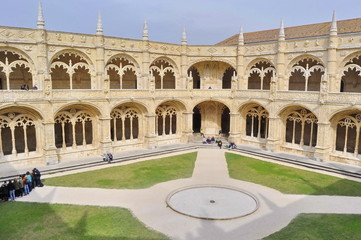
(70, 71)
(227, 78)
(73, 127)
(164, 74)
(351, 76)
(257, 122)
(260, 75)
(348, 134)
(18, 134)
(124, 124)
(306, 75)
(15, 71)
(301, 128)
(166, 121)
(193, 72)
(122, 73)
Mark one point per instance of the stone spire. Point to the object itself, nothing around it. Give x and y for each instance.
(333, 29)
(184, 36)
(282, 35)
(241, 37)
(41, 22)
(99, 25)
(145, 31)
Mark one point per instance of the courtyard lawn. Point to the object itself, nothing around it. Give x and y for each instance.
(287, 179)
(133, 176)
(70, 222)
(321, 226)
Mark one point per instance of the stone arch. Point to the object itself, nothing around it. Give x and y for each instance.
(214, 74)
(165, 73)
(256, 60)
(351, 73)
(260, 74)
(254, 118)
(17, 70)
(72, 69)
(193, 73)
(19, 131)
(214, 117)
(123, 72)
(346, 126)
(300, 126)
(213, 59)
(75, 127)
(88, 106)
(168, 118)
(305, 73)
(127, 122)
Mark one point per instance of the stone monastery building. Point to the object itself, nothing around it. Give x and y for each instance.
(295, 90)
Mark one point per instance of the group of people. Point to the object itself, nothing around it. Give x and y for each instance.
(211, 140)
(108, 157)
(26, 87)
(20, 186)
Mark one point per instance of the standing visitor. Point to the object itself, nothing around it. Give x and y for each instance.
(220, 144)
(11, 189)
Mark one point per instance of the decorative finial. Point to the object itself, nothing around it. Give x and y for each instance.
(184, 36)
(241, 37)
(41, 22)
(145, 31)
(282, 35)
(333, 29)
(100, 25)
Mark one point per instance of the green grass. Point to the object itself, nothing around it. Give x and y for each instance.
(321, 226)
(133, 176)
(68, 222)
(287, 179)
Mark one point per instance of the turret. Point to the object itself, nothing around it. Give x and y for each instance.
(41, 22)
(145, 31)
(99, 25)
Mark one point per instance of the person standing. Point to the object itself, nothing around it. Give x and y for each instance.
(11, 189)
(220, 144)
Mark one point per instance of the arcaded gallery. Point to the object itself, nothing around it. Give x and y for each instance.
(69, 95)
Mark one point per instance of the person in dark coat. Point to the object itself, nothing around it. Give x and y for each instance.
(220, 144)
(4, 192)
(37, 175)
(11, 189)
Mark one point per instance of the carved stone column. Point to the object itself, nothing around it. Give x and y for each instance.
(234, 128)
(105, 141)
(50, 151)
(274, 134)
(322, 149)
(187, 133)
(150, 138)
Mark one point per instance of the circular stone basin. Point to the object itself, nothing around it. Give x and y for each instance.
(212, 202)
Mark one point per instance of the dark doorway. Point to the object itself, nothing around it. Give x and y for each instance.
(196, 120)
(225, 121)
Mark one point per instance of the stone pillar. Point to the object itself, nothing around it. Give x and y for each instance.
(105, 141)
(182, 82)
(145, 65)
(50, 153)
(242, 79)
(150, 138)
(333, 82)
(274, 133)
(282, 81)
(234, 128)
(322, 149)
(101, 80)
(187, 134)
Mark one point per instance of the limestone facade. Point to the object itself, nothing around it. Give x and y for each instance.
(97, 93)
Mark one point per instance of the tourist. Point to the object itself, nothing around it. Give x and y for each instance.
(213, 140)
(220, 144)
(25, 183)
(4, 194)
(208, 140)
(35, 87)
(24, 87)
(202, 133)
(11, 189)
(29, 180)
(37, 175)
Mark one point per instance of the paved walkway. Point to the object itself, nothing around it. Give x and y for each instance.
(148, 205)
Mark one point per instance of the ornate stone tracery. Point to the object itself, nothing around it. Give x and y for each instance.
(257, 122)
(260, 75)
(348, 134)
(351, 75)
(306, 75)
(124, 124)
(122, 73)
(164, 74)
(166, 121)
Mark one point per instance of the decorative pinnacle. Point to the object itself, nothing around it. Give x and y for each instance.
(40, 23)
(282, 35)
(145, 31)
(184, 36)
(100, 25)
(333, 29)
(241, 37)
